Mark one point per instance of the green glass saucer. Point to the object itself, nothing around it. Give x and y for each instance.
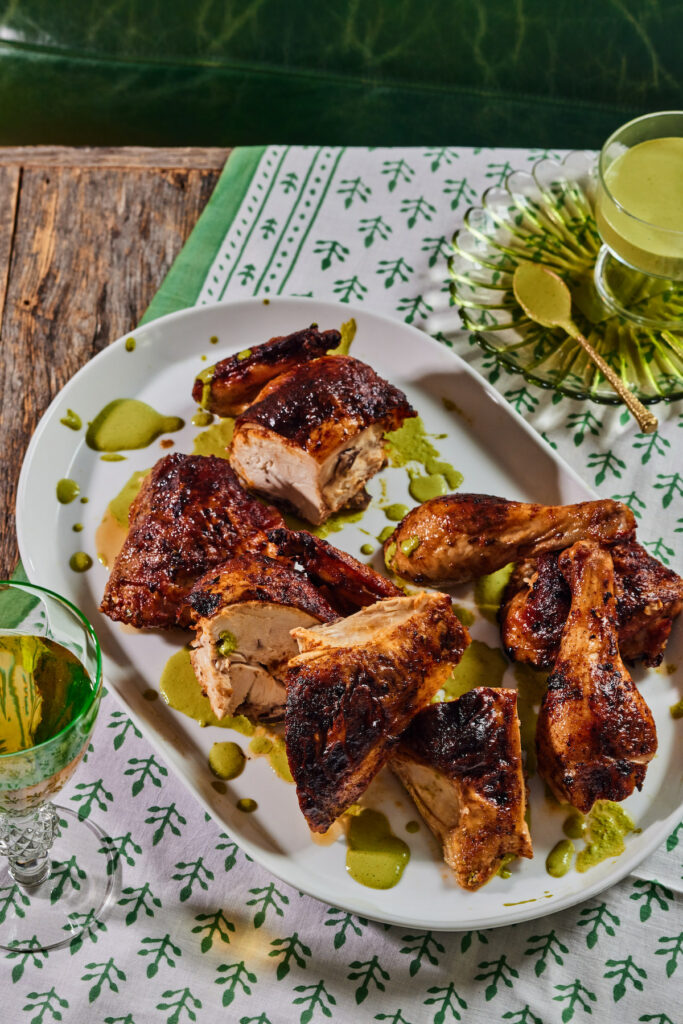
(546, 216)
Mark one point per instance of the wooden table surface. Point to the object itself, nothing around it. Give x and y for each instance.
(86, 237)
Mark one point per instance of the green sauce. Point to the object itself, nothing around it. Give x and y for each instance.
(367, 549)
(80, 561)
(531, 686)
(559, 860)
(386, 534)
(67, 491)
(348, 333)
(463, 614)
(226, 760)
(130, 345)
(410, 444)
(480, 665)
(206, 376)
(336, 522)
(120, 505)
(413, 826)
(112, 457)
(389, 555)
(227, 643)
(127, 424)
(244, 354)
(409, 545)
(608, 823)
(488, 591)
(150, 695)
(84, 501)
(181, 691)
(213, 340)
(202, 418)
(272, 747)
(574, 825)
(424, 488)
(216, 440)
(246, 805)
(375, 856)
(503, 870)
(72, 420)
(77, 527)
(396, 512)
(676, 710)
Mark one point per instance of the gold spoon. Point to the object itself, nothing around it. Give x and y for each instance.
(545, 298)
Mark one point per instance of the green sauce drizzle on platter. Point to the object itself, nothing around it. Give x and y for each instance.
(67, 491)
(226, 760)
(181, 691)
(128, 424)
(375, 856)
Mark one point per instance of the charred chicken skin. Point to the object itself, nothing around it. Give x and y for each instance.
(595, 733)
(244, 612)
(461, 763)
(229, 387)
(649, 597)
(458, 537)
(344, 581)
(355, 687)
(191, 515)
(315, 435)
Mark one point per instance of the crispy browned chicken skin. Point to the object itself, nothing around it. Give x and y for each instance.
(344, 581)
(461, 763)
(191, 515)
(462, 536)
(252, 602)
(649, 597)
(315, 435)
(230, 386)
(595, 733)
(355, 687)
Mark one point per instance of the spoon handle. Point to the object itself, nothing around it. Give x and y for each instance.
(646, 420)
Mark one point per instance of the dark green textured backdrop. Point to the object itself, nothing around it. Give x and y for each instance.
(512, 72)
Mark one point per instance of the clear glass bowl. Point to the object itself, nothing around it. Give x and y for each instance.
(547, 216)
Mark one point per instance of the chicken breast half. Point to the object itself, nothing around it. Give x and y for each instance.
(461, 763)
(315, 435)
(354, 688)
(244, 614)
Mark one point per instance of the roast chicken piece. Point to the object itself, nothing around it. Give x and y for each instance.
(314, 436)
(244, 613)
(354, 688)
(461, 762)
(649, 597)
(458, 537)
(344, 581)
(229, 387)
(595, 733)
(191, 515)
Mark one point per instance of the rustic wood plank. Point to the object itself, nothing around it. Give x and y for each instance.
(210, 158)
(10, 178)
(90, 248)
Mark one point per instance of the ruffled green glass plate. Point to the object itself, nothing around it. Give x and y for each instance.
(546, 216)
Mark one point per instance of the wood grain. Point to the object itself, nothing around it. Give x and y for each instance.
(126, 156)
(89, 247)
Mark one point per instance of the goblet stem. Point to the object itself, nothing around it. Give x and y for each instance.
(26, 839)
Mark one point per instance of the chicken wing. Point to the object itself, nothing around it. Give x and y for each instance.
(315, 435)
(595, 733)
(649, 597)
(190, 515)
(244, 611)
(353, 690)
(461, 763)
(229, 387)
(461, 536)
(344, 581)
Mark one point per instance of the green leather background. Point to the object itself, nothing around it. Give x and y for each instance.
(503, 72)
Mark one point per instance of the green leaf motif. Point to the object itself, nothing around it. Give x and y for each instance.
(417, 209)
(14, 899)
(448, 1002)
(191, 872)
(161, 949)
(289, 948)
(138, 898)
(545, 946)
(625, 971)
(422, 946)
(32, 952)
(68, 875)
(438, 248)
(397, 171)
(122, 723)
(266, 898)
(394, 270)
(215, 924)
(576, 996)
(523, 1016)
(342, 922)
(164, 818)
(88, 926)
(330, 251)
(352, 189)
(92, 793)
(583, 422)
(501, 971)
(675, 950)
(100, 973)
(268, 228)
(235, 976)
(367, 972)
(604, 463)
(393, 1018)
(413, 308)
(672, 485)
(372, 228)
(466, 940)
(350, 288)
(45, 1002)
(651, 892)
(660, 549)
(319, 999)
(672, 840)
(118, 848)
(186, 1003)
(460, 191)
(598, 917)
(522, 399)
(498, 172)
(146, 768)
(633, 502)
(444, 155)
(653, 444)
